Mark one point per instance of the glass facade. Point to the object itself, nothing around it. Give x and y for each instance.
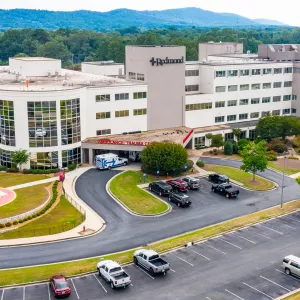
(5, 158)
(7, 123)
(70, 121)
(42, 124)
(44, 160)
(71, 156)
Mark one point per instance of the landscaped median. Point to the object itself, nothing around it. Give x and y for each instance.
(12, 179)
(124, 188)
(293, 297)
(44, 272)
(260, 184)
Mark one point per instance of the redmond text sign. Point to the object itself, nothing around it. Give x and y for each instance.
(161, 62)
(134, 143)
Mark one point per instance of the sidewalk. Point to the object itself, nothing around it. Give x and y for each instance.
(93, 223)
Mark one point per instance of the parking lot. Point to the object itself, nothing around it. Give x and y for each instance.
(245, 264)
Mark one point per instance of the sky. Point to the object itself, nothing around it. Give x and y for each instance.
(286, 11)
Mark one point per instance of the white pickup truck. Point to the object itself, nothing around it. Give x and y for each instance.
(113, 273)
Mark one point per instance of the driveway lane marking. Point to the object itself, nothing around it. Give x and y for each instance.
(2, 294)
(23, 292)
(253, 288)
(75, 288)
(183, 260)
(275, 283)
(100, 283)
(234, 295)
(271, 229)
(49, 291)
(230, 243)
(288, 275)
(234, 233)
(200, 254)
(144, 271)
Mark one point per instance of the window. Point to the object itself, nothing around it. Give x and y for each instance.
(294, 110)
(102, 98)
(255, 86)
(266, 100)
(44, 160)
(71, 156)
(228, 136)
(103, 132)
(231, 118)
(267, 71)
(244, 87)
(232, 73)
(220, 89)
(244, 101)
(140, 112)
(6, 158)
(189, 73)
(276, 112)
(220, 73)
(267, 85)
(277, 85)
(243, 116)
(294, 97)
(192, 88)
(244, 72)
(103, 115)
(7, 123)
(256, 72)
(200, 141)
(255, 100)
(123, 96)
(220, 104)
(122, 113)
(198, 106)
(288, 83)
(276, 98)
(277, 70)
(286, 111)
(140, 77)
(295, 265)
(232, 88)
(252, 134)
(288, 70)
(132, 75)
(232, 103)
(254, 115)
(286, 97)
(265, 113)
(219, 119)
(140, 95)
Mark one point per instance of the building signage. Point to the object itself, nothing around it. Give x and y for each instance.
(131, 143)
(161, 62)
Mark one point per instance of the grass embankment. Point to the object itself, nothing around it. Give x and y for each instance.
(12, 179)
(124, 187)
(293, 297)
(30, 274)
(260, 184)
(280, 169)
(64, 216)
(27, 199)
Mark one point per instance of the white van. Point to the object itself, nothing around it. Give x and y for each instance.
(109, 160)
(291, 265)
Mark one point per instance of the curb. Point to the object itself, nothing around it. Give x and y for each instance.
(287, 295)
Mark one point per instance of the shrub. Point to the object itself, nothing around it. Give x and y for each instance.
(235, 148)
(12, 170)
(29, 218)
(296, 142)
(15, 222)
(272, 157)
(8, 224)
(228, 148)
(272, 152)
(26, 171)
(278, 146)
(298, 180)
(72, 167)
(242, 143)
(2, 225)
(200, 164)
(2, 168)
(293, 157)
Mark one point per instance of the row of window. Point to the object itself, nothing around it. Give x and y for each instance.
(254, 86)
(253, 72)
(122, 96)
(7, 123)
(121, 113)
(190, 73)
(136, 76)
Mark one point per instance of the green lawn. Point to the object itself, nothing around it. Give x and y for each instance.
(12, 179)
(293, 297)
(260, 184)
(26, 200)
(286, 171)
(124, 187)
(62, 218)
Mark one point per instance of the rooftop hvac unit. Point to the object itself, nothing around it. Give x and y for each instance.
(56, 74)
(88, 83)
(49, 74)
(65, 82)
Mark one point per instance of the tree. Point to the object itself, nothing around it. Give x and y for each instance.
(209, 137)
(242, 144)
(217, 141)
(254, 158)
(164, 157)
(228, 148)
(237, 132)
(20, 157)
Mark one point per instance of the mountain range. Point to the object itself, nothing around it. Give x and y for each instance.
(121, 18)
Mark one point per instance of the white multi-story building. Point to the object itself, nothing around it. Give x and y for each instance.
(56, 113)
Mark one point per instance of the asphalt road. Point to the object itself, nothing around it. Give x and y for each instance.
(245, 264)
(125, 231)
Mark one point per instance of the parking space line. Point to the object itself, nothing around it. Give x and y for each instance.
(49, 291)
(267, 237)
(173, 270)
(200, 254)
(183, 260)
(75, 288)
(271, 229)
(230, 243)
(290, 217)
(23, 292)
(288, 275)
(234, 233)
(214, 248)
(234, 295)
(144, 271)
(288, 226)
(208, 298)
(253, 288)
(2, 294)
(100, 283)
(275, 283)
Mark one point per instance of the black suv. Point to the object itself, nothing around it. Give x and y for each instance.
(180, 199)
(218, 178)
(160, 188)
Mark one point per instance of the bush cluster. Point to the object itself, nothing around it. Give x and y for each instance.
(36, 171)
(272, 157)
(72, 167)
(278, 146)
(200, 164)
(12, 170)
(298, 180)
(228, 148)
(293, 157)
(296, 142)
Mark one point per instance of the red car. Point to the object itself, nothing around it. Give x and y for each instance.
(60, 286)
(178, 184)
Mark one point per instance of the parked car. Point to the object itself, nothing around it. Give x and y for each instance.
(40, 132)
(291, 265)
(179, 199)
(160, 188)
(151, 261)
(193, 183)
(59, 286)
(218, 178)
(113, 273)
(225, 189)
(178, 185)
